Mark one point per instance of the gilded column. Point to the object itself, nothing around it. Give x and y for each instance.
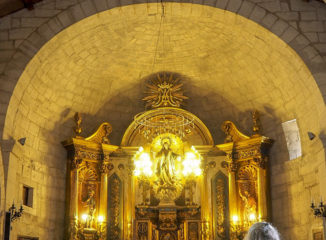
(105, 168)
(131, 206)
(203, 196)
(262, 192)
(233, 200)
(206, 214)
(73, 208)
(233, 208)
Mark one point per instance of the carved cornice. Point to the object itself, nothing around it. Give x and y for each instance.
(80, 150)
(108, 150)
(87, 154)
(242, 154)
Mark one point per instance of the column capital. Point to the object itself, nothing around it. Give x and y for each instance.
(75, 163)
(261, 162)
(230, 166)
(106, 167)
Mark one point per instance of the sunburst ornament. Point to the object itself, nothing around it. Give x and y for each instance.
(164, 91)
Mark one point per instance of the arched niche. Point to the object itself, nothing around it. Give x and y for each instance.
(196, 133)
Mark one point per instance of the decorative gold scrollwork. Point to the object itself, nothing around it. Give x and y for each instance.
(88, 154)
(230, 166)
(232, 133)
(76, 163)
(102, 134)
(73, 229)
(181, 232)
(193, 233)
(106, 167)
(205, 230)
(247, 178)
(168, 221)
(114, 231)
(165, 91)
(261, 162)
(142, 230)
(247, 172)
(168, 236)
(220, 207)
(88, 174)
(243, 154)
(121, 167)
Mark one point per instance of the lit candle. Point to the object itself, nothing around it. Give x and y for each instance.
(84, 217)
(235, 219)
(100, 219)
(252, 217)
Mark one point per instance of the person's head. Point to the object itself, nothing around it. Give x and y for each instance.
(166, 142)
(262, 231)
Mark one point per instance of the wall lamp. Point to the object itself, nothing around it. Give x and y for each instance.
(22, 141)
(320, 211)
(311, 135)
(15, 213)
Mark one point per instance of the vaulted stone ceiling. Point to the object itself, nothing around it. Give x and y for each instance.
(9, 6)
(98, 66)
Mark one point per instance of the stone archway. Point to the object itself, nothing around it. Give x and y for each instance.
(103, 79)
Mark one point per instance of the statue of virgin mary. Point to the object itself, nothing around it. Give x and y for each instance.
(167, 184)
(165, 167)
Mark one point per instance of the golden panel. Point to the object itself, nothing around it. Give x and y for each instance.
(246, 159)
(220, 206)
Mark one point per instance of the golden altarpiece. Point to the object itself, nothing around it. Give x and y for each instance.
(167, 179)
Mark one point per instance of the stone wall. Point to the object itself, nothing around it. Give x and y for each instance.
(98, 66)
(300, 24)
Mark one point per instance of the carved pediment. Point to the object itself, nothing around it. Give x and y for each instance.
(232, 133)
(102, 134)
